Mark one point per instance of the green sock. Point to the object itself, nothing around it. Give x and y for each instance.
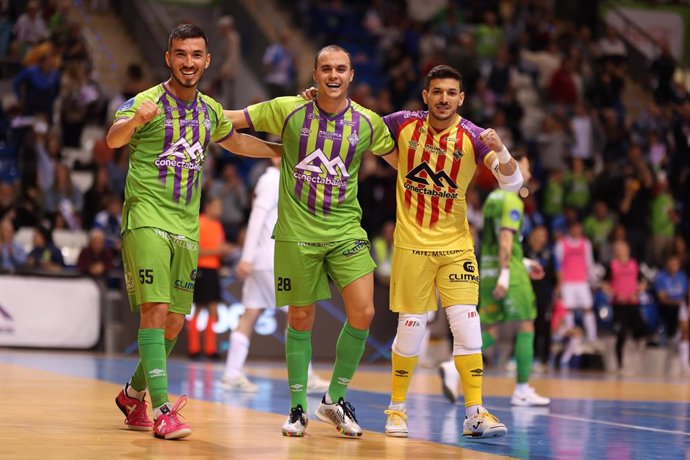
(524, 354)
(487, 340)
(348, 352)
(138, 380)
(298, 356)
(152, 355)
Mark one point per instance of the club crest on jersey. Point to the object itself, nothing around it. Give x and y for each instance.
(457, 154)
(353, 138)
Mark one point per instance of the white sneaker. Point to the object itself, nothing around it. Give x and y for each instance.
(449, 380)
(483, 425)
(296, 423)
(396, 423)
(241, 384)
(316, 384)
(528, 397)
(341, 415)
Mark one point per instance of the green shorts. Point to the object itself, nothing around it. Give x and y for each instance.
(519, 303)
(159, 267)
(302, 269)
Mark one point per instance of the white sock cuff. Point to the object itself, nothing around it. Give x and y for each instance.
(239, 338)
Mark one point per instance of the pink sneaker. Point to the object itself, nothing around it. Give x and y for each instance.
(135, 412)
(168, 425)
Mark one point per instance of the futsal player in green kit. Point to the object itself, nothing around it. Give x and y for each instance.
(318, 234)
(505, 289)
(168, 128)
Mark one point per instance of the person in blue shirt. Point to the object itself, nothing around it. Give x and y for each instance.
(671, 287)
(12, 254)
(45, 255)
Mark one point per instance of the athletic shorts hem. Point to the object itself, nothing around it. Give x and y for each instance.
(154, 300)
(303, 303)
(340, 288)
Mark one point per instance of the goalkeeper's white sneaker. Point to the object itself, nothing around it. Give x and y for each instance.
(527, 396)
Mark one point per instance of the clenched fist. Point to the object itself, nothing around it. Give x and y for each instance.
(490, 138)
(147, 111)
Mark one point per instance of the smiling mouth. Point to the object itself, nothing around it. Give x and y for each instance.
(188, 73)
(333, 85)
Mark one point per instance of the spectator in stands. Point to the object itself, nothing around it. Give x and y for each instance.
(611, 47)
(230, 43)
(109, 220)
(635, 194)
(279, 67)
(233, 194)
(82, 102)
(12, 254)
(45, 255)
(671, 286)
(624, 285)
(95, 260)
(76, 48)
(48, 155)
(96, 196)
(663, 218)
(598, 227)
(64, 197)
(30, 28)
(577, 189)
(135, 81)
(38, 86)
(662, 70)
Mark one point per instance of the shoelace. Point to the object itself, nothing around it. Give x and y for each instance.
(296, 413)
(181, 402)
(348, 409)
(397, 413)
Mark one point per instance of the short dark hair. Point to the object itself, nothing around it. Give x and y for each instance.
(185, 31)
(443, 71)
(330, 48)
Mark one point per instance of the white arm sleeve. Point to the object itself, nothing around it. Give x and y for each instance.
(511, 183)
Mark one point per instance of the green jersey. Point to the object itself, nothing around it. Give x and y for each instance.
(322, 153)
(501, 210)
(504, 210)
(167, 159)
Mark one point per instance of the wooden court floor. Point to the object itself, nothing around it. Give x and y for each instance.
(61, 405)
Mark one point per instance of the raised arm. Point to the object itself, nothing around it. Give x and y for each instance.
(250, 146)
(121, 132)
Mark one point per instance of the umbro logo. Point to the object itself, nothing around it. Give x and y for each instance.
(343, 380)
(156, 373)
(401, 373)
(477, 372)
(296, 387)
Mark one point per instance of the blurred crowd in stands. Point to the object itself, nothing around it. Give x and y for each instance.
(610, 152)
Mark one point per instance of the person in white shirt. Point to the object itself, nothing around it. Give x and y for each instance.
(256, 269)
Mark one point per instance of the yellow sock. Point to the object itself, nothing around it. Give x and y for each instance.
(471, 369)
(402, 373)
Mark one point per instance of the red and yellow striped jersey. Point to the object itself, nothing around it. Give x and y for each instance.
(434, 170)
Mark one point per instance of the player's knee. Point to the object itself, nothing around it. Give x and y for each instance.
(301, 318)
(410, 334)
(464, 324)
(360, 318)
